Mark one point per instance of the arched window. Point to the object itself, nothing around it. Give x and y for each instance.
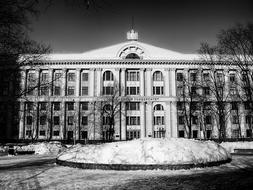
(132, 56)
(158, 107)
(108, 76)
(158, 76)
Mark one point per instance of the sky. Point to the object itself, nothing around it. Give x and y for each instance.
(178, 25)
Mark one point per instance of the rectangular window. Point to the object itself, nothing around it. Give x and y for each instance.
(232, 77)
(30, 90)
(219, 77)
(84, 134)
(29, 120)
(107, 90)
(207, 105)
(85, 76)
(232, 91)
(181, 120)
(71, 76)
(234, 106)
(208, 120)
(206, 91)
(193, 77)
(56, 120)
(247, 105)
(181, 134)
(194, 120)
(235, 119)
(70, 120)
(158, 90)
(193, 90)
(42, 133)
(57, 90)
(158, 120)
(43, 120)
(44, 91)
(44, 77)
(84, 106)
(71, 90)
(195, 134)
(133, 120)
(31, 77)
(133, 106)
(85, 91)
(180, 90)
(133, 76)
(133, 134)
(29, 106)
(28, 133)
(84, 120)
(43, 106)
(56, 133)
(206, 76)
(57, 76)
(208, 134)
(133, 90)
(249, 133)
(70, 106)
(180, 105)
(56, 106)
(180, 76)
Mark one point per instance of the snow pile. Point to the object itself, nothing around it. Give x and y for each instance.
(148, 151)
(3, 149)
(43, 148)
(230, 146)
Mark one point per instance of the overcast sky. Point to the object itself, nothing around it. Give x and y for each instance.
(178, 25)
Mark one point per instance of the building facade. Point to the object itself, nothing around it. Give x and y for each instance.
(150, 77)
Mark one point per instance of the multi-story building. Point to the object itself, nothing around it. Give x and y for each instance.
(148, 76)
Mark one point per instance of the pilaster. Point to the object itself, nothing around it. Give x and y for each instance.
(123, 82)
(167, 82)
(78, 81)
(173, 82)
(149, 119)
(142, 119)
(173, 116)
(91, 82)
(168, 120)
(22, 120)
(142, 83)
(99, 81)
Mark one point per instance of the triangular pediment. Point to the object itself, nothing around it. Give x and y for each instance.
(121, 50)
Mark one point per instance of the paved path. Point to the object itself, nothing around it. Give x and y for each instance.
(235, 175)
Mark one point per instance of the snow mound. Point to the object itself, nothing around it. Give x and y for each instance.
(148, 151)
(230, 146)
(43, 148)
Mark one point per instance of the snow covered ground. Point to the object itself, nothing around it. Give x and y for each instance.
(43, 148)
(148, 151)
(230, 146)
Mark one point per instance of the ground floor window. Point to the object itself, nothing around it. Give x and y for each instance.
(56, 133)
(208, 134)
(195, 134)
(28, 133)
(84, 134)
(248, 133)
(181, 133)
(70, 135)
(235, 133)
(133, 134)
(42, 133)
(159, 134)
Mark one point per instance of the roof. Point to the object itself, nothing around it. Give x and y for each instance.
(121, 50)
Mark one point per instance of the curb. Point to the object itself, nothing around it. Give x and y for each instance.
(139, 166)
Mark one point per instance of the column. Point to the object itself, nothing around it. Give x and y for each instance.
(242, 119)
(173, 82)
(166, 82)
(142, 120)
(168, 120)
(91, 82)
(78, 82)
(149, 119)
(62, 121)
(228, 128)
(123, 82)
(226, 75)
(142, 85)
(123, 121)
(37, 82)
(64, 82)
(21, 120)
(173, 116)
(51, 82)
(99, 81)
(149, 82)
(77, 120)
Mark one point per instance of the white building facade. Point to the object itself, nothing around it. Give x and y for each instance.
(146, 74)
